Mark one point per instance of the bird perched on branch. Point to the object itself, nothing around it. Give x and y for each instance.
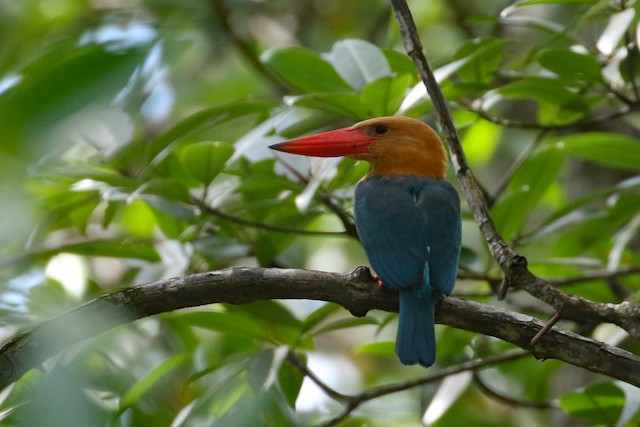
(407, 216)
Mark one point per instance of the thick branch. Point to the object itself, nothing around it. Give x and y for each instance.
(356, 291)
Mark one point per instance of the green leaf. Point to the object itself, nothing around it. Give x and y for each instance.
(378, 349)
(556, 103)
(608, 149)
(63, 82)
(527, 187)
(304, 69)
(399, 62)
(536, 2)
(343, 103)
(576, 209)
(319, 315)
(110, 212)
(541, 89)
(477, 60)
(137, 155)
(384, 96)
(48, 299)
(480, 141)
(359, 62)
(139, 219)
(572, 65)
(599, 403)
(228, 323)
(269, 312)
(350, 322)
(144, 384)
(263, 369)
(116, 248)
(290, 380)
(205, 160)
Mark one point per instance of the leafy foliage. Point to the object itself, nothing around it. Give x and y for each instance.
(135, 148)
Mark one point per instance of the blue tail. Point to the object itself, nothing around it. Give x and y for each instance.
(416, 341)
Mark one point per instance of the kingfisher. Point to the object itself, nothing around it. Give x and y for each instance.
(406, 214)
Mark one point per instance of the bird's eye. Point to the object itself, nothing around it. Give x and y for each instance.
(381, 129)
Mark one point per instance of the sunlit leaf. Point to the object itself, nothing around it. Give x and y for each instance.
(615, 30)
(448, 393)
(263, 369)
(480, 141)
(138, 218)
(378, 349)
(359, 62)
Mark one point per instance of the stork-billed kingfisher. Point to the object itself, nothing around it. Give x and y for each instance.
(407, 216)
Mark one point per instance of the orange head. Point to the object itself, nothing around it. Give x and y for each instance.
(393, 145)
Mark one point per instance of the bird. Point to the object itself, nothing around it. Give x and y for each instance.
(407, 216)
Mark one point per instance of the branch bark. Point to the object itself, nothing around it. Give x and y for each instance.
(626, 315)
(356, 291)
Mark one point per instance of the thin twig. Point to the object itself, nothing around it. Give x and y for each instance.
(354, 401)
(344, 216)
(546, 328)
(260, 225)
(515, 124)
(510, 400)
(302, 367)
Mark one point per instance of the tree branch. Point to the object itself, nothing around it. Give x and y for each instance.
(356, 291)
(501, 252)
(263, 226)
(510, 400)
(626, 315)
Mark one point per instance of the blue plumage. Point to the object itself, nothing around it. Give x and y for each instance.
(407, 216)
(410, 229)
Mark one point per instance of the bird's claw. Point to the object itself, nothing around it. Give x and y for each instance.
(378, 281)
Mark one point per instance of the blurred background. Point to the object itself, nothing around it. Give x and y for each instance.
(133, 148)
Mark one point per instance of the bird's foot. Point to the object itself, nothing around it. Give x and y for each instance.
(377, 279)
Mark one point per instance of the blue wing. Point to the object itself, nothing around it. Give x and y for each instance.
(410, 229)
